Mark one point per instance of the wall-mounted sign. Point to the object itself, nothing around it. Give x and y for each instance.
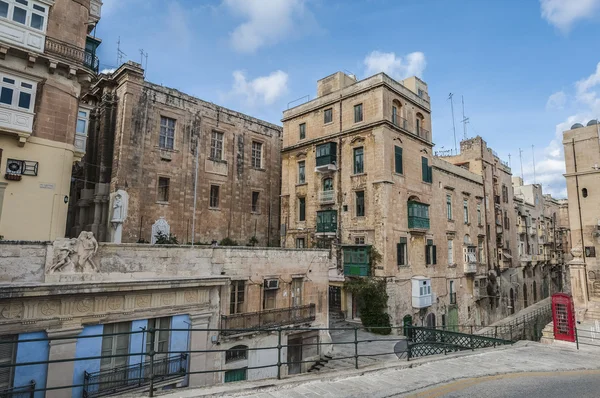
(47, 186)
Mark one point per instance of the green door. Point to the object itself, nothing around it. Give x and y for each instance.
(407, 322)
(453, 319)
(235, 375)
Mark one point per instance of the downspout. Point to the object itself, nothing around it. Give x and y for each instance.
(339, 193)
(579, 213)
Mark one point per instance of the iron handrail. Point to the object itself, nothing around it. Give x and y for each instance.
(26, 391)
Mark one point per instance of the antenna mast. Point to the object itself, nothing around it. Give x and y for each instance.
(533, 157)
(142, 56)
(521, 159)
(509, 160)
(453, 124)
(120, 54)
(465, 119)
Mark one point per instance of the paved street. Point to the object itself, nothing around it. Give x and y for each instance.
(580, 384)
(394, 378)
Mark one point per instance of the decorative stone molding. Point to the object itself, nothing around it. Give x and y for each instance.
(74, 254)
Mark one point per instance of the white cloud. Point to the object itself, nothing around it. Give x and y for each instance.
(108, 71)
(177, 29)
(267, 22)
(263, 89)
(397, 67)
(556, 101)
(563, 13)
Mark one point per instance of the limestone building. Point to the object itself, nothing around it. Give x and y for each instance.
(48, 62)
(359, 176)
(76, 300)
(139, 174)
(582, 158)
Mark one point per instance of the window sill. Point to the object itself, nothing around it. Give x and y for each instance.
(358, 174)
(256, 212)
(328, 123)
(301, 184)
(162, 202)
(450, 220)
(217, 160)
(173, 150)
(258, 169)
(214, 208)
(398, 174)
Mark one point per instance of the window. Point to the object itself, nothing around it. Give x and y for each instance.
(167, 133)
(301, 172)
(17, 93)
(302, 131)
(584, 192)
(470, 255)
(328, 115)
(326, 154)
(236, 300)
(479, 214)
(255, 203)
(214, 196)
(358, 113)
(297, 288)
(450, 252)
(18, 11)
(301, 209)
(402, 253)
(360, 203)
(590, 251)
(256, 154)
(81, 129)
(398, 160)
(480, 254)
(300, 243)
(449, 206)
(359, 166)
(425, 288)
(117, 344)
(8, 350)
(395, 115)
(359, 240)
(163, 189)
(430, 253)
(328, 184)
(418, 215)
(216, 146)
(160, 344)
(269, 297)
(236, 353)
(466, 211)
(426, 170)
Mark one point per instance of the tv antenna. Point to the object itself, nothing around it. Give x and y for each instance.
(120, 54)
(143, 56)
(453, 124)
(521, 159)
(465, 119)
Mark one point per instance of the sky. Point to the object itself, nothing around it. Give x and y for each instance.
(526, 69)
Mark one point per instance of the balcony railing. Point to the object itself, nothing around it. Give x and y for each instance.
(400, 122)
(27, 391)
(327, 197)
(74, 54)
(418, 222)
(268, 318)
(122, 378)
(423, 133)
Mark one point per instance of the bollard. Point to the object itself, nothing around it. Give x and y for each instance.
(279, 353)
(356, 348)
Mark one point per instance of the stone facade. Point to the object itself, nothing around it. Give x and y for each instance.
(48, 65)
(582, 149)
(143, 140)
(138, 283)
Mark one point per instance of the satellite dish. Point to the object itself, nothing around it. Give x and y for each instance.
(576, 126)
(593, 122)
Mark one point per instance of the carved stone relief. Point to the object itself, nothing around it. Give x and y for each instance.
(74, 255)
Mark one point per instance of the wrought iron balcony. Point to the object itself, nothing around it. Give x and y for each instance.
(400, 122)
(326, 197)
(26, 391)
(73, 54)
(267, 318)
(423, 133)
(122, 378)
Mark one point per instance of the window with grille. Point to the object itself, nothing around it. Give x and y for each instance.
(255, 203)
(359, 240)
(163, 189)
(360, 203)
(216, 146)
(358, 113)
(302, 131)
(8, 351)
(257, 154)
(236, 353)
(115, 341)
(214, 196)
(236, 304)
(160, 343)
(167, 133)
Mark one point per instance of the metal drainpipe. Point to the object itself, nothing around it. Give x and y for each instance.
(340, 191)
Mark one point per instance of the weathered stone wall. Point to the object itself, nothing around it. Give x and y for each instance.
(22, 262)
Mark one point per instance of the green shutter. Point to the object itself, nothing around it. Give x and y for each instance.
(424, 168)
(399, 253)
(427, 256)
(434, 255)
(398, 159)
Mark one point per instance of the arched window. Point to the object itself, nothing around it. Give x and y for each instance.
(430, 321)
(584, 192)
(236, 353)
(467, 240)
(328, 184)
(420, 120)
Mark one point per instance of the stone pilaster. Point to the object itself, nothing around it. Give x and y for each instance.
(579, 285)
(200, 361)
(2, 189)
(61, 373)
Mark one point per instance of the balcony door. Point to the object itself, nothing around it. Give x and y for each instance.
(160, 343)
(115, 341)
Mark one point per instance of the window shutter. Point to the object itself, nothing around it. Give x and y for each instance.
(434, 255)
(424, 168)
(430, 174)
(399, 253)
(398, 159)
(427, 256)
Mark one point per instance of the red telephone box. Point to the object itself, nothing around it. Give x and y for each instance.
(563, 316)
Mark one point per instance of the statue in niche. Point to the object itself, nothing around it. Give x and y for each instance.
(75, 253)
(120, 200)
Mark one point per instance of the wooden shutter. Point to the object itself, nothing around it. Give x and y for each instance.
(434, 255)
(398, 159)
(424, 168)
(7, 356)
(427, 255)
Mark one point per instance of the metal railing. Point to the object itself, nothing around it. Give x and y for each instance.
(400, 122)
(27, 391)
(67, 51)
(122, 378)
(268, 318)
(423, 133)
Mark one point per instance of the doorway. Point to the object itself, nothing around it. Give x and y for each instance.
(335, 298)
(294, 355)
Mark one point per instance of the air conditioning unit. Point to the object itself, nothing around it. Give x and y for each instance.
(271, 284)
(14, 166)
